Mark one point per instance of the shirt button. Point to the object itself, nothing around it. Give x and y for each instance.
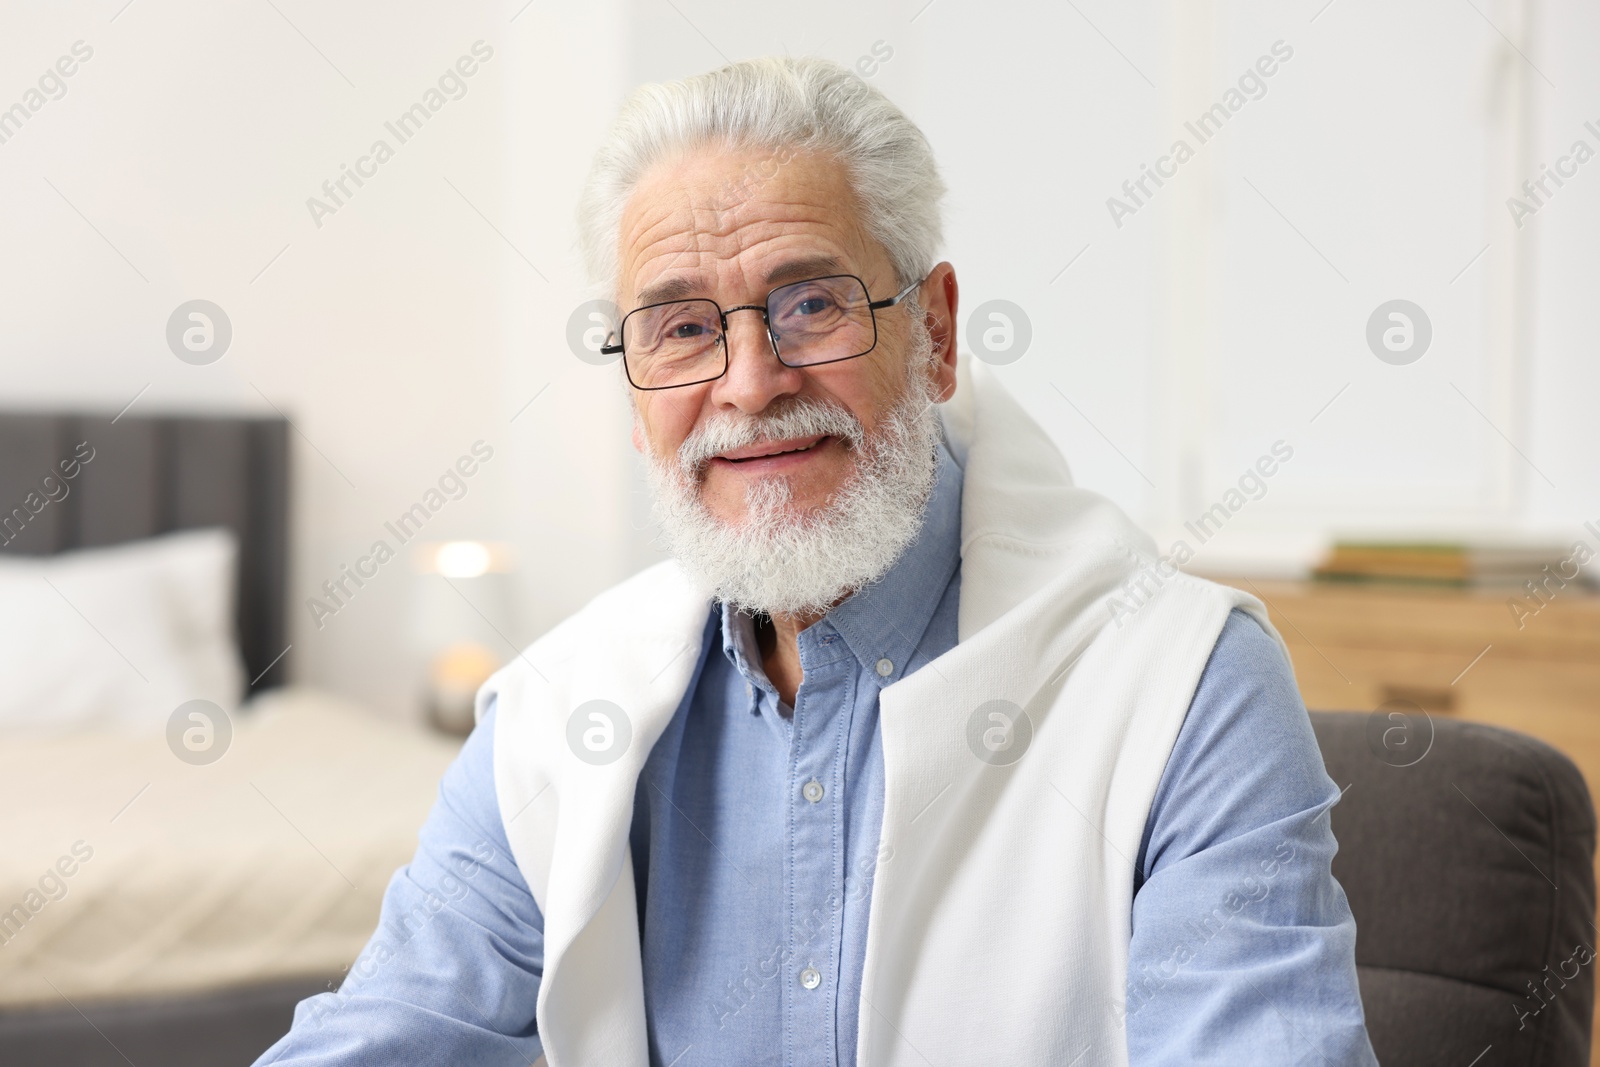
(810, 978)
(812, 791)
(885, 668)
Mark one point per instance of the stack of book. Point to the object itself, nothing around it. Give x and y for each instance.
(1444, 563)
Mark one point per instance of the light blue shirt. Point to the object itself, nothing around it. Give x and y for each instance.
(756, 835)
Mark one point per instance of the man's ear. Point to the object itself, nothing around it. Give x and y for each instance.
(943, 298)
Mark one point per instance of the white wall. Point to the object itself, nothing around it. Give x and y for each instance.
(1224, 315)
(394, 335)
(1564, 437)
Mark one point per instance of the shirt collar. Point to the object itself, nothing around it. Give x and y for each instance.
(881, 624)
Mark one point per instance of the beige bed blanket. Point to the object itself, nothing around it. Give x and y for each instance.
(127, 872)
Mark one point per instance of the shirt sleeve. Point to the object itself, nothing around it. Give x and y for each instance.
(452, 973)
(1243, 945)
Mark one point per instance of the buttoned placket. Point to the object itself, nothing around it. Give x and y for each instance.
(816, 732)
(815, 857)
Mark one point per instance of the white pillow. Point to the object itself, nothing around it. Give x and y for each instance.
(118, 637)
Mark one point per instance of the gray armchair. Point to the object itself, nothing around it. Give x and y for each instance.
(1467, 853)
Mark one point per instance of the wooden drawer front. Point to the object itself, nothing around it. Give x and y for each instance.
(1451, 653)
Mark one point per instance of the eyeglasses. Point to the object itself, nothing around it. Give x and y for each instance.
(809, 323)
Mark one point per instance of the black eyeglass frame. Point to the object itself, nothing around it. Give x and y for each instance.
(873, 307)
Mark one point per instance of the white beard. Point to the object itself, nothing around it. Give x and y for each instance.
(775, 562)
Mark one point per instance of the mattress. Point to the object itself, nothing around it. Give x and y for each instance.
(127, 872)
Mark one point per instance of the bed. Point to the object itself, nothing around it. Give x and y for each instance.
(155, 910)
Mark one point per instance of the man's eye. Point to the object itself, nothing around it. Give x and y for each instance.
(812, 305)
(687, 330)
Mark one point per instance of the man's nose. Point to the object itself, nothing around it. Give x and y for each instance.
(755, 375)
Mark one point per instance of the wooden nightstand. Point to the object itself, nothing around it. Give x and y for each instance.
(1456, 652)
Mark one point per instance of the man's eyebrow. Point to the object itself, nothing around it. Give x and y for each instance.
(793, 271)
(671, 289)
(800, 269)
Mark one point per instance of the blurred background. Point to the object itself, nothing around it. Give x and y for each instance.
(1171, 344)
(1370, 268)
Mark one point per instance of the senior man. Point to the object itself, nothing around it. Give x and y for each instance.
(870, 772)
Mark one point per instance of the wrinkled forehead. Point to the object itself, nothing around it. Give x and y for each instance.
(724, 222)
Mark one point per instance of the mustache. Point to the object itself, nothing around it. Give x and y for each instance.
(802, 417)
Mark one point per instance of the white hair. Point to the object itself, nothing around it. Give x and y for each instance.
(775, 103)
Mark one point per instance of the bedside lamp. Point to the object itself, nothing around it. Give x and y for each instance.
(460, 611)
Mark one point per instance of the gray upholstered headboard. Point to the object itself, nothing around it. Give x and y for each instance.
(151, 475)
